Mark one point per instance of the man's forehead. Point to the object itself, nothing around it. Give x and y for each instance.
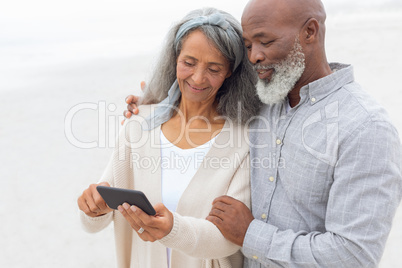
(254, 9)
(259, 26)
(255, 21)
(258, 13)
(254, 31)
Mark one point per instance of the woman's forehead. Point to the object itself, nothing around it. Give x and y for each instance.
(198, 46)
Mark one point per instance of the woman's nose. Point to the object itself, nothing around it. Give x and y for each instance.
(198, 76)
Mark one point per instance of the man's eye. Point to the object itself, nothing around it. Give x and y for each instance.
(213, 71)
(266, 43)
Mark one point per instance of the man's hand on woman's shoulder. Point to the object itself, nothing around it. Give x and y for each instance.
(132, 104)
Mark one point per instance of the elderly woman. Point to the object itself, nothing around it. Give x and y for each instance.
(184, 151)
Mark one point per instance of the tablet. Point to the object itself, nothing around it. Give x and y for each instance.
(115, 197)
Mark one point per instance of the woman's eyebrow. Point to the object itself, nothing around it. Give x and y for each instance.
(189, 57)
(211, 62)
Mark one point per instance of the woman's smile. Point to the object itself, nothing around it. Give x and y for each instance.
(196, 89)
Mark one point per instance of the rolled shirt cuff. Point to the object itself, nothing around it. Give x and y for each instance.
(258, 239)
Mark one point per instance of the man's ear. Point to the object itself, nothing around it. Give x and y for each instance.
(310, 31)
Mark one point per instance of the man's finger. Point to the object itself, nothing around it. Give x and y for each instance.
(220, 206)
(132, 99)
(215, 220)
(129, 99)
(217, 213)
(132, 107)
(224, 199)
(127, 114)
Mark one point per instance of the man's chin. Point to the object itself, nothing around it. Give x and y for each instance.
(270, 95)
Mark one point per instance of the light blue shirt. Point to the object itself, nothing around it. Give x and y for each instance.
(325, 178)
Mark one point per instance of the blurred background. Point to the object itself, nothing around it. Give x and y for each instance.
(65, 70)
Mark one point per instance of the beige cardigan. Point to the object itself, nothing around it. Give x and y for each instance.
(195, 242)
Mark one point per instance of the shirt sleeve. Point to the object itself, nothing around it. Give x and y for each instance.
(200, 238)
(364, 196)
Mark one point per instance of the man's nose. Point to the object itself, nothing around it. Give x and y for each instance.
(255, 56)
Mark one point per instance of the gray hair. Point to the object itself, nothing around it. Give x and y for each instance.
(237, 98)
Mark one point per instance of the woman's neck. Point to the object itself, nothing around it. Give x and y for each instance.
(191, 112)
(193, 124)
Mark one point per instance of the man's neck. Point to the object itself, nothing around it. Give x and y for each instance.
(307, 78)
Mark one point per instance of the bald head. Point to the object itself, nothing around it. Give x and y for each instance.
(294, 12)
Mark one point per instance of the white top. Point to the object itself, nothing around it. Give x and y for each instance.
(178, 167)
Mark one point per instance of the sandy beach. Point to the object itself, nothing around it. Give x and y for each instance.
(49, 111)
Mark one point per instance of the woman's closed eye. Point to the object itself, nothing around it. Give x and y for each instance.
(187, 63)
(215, 71)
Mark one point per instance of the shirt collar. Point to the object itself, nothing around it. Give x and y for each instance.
(319, 89)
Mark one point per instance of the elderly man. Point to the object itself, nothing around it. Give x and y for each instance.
(329, 195)
(325, 159)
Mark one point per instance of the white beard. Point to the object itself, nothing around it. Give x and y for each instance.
(285, 76)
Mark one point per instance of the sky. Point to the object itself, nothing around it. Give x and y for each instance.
(50, 31)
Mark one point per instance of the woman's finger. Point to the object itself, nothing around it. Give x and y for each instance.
(141, 229)
(129, 219)
(157, 226)
(145, 219)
